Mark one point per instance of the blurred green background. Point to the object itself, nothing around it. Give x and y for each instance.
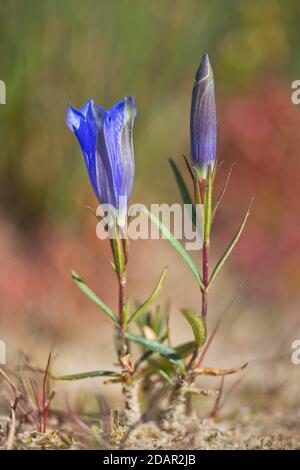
(59, 52)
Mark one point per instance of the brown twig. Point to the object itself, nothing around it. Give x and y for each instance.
(46, 404)
(220, 404)
(12, 429)
(13, 404)
(216, 372)
(17, 393)
(215, 409)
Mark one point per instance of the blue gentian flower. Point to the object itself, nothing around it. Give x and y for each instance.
(105, 138)
(203, 120)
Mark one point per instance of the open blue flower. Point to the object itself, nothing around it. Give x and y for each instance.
(203, 120)
(105, 138)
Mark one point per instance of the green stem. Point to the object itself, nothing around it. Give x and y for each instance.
(122, 298)
(206, 242)
(120, 254)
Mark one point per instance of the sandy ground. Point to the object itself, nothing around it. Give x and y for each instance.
(249, 429)
(263, 412)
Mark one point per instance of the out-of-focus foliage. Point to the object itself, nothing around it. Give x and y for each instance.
(55, 52)
(58, 52)
(261, 133)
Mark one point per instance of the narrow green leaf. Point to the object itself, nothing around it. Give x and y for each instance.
(87, 375)
(230, 247)
(82, 286)
(157, 347)
(148, 354)
(150, 299)
(143, 358)
(185, 195)
(157, 321)
(166, 232)
(185, 349)
(198, 326)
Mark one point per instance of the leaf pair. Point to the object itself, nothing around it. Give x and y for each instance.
(179, 248)
(153, 346)
(91, 295)
(158, 347)
(187, 200)
(144, 307)
(230, 247)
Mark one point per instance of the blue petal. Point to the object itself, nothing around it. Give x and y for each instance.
(126, 147)
(85, 124)
(115, 158)
(105, 138)
(203, 123)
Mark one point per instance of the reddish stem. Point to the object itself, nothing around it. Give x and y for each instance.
(202, 185)
(205, 274)
(38, 411)
(45, 406)
(200, 191)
